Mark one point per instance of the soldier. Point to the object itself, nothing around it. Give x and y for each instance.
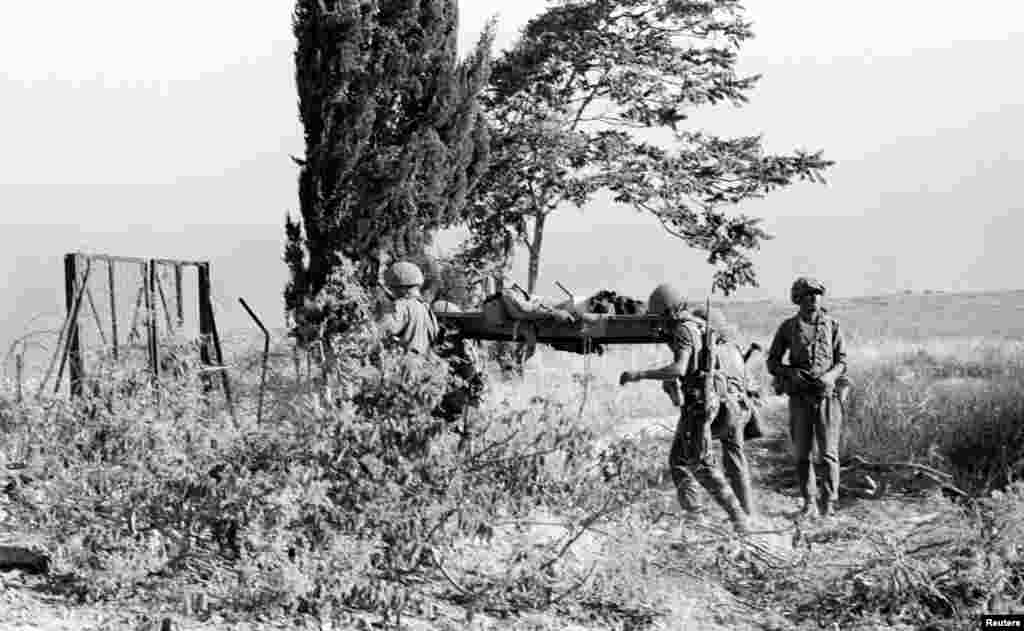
(468, 382)
(411, 324)
(817, 359)
(692, 459)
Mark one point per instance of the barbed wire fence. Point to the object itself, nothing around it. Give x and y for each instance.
(121, 312)
(139, 315)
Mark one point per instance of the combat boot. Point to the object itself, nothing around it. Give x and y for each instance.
(828, 509)
(808, 511)
(695, 519)
(741, 525)
(737, 516)
(693, 525)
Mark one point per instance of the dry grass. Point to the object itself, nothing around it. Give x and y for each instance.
(932, 395)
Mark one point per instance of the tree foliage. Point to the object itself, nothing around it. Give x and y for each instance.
(565, 104)
(393, 132)
(686, 189)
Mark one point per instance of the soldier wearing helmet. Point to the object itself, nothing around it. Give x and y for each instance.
(692, 460)
(816, 360)
(411, 324)
(468, 383)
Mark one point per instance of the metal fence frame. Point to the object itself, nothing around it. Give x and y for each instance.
(76, 292)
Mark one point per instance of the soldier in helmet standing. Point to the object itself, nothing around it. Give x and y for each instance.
(692, 459)
(817, 359)
(413, 325)
(464, 363)
(410, 324)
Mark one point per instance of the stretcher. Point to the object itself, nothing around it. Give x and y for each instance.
(598, 328)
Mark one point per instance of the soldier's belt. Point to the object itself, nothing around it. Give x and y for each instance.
(814, 395)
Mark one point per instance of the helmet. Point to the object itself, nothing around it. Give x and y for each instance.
(404, 274)
(444, 306)
(803, 286)
(716, 319)
(664, 298)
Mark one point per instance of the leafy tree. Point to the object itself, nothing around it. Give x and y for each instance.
(395, 139)
(565, 104)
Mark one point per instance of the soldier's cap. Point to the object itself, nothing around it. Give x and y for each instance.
(404, 274)
(805, 285)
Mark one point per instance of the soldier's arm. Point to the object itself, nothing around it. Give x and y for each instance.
(780, 344)
(838, 352)
(675, 370)
(682, 350)
(393, 322)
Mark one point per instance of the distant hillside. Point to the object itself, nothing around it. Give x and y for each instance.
(628, 258)
(909, 317)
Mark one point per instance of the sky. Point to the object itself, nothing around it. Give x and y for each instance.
(166, 130)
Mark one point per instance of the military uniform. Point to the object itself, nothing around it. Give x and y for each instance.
(412, 325)
(464, 362)
(816, 346)
(692, 460)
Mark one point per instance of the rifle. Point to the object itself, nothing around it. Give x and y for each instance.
(751, 350)
(708, 367)
(387, 291)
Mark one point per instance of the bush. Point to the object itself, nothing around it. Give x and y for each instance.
(330, 503)
(957, 413)
(940, 576)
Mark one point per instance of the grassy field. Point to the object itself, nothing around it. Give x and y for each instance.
(903, 318)
(557, 515)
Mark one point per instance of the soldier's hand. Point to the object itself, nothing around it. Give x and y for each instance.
(804, 375)
(827, 382)
(788, 372)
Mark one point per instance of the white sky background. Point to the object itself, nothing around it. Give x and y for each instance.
(164, 129)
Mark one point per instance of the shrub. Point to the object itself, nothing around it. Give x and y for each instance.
(959, 413)
(330, 503)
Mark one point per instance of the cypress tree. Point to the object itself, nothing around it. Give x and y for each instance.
(394, 137)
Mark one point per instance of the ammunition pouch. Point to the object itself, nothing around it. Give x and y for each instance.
(754, 427)
(672, 389)
(805, 385)
(841, 391)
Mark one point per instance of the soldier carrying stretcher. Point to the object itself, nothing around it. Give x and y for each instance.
(413, 326)
(692, 459)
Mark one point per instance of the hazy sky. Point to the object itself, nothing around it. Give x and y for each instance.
(166, 129)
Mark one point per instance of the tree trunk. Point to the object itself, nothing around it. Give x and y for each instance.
(535, 249)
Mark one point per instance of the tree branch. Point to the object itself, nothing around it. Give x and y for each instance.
(590, 97)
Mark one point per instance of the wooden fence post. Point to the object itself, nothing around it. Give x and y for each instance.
(177, 292)
(19, 365)
(205, 324)
(113, 306)
(71, 281)
(151, 332)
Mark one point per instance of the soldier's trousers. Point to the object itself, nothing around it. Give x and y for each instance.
(816, 419)
(692, 460)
